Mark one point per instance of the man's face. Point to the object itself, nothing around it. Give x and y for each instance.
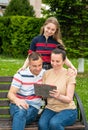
(35, 66)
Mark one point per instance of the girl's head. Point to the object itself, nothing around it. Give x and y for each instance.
(51, 27)
(58, 57)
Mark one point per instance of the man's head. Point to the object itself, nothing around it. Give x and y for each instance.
(35, 63)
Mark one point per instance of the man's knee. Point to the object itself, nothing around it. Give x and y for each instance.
(21, 113)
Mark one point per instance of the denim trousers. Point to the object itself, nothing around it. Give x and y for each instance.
(51, 120)
(21, 116)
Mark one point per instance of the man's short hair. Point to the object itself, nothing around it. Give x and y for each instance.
(34, 56)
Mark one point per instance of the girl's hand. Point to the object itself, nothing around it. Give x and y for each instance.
(72, 72)
(22, 68)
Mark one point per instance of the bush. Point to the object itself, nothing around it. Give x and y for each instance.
(19, 7)
(17, 33)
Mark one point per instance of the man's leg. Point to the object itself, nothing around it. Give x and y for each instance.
(19, 117)
(32, 113)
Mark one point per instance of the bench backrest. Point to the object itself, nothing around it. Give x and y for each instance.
(5, 83)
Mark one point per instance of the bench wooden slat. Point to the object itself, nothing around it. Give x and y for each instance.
(5, 119)
(4, 103)
(34, 126)
(3, 94)
(5, 78)
(4, 86)
(4, 111)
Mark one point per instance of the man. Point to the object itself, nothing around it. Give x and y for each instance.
(25, 104)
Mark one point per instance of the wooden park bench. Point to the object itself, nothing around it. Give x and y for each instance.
(5, 119)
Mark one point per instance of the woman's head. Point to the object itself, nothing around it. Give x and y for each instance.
(51, 27)
(58, 57)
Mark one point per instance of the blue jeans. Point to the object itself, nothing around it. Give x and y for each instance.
(21, 117)
(51, 120)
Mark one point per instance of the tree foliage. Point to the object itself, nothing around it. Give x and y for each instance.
(73, 18)
(19, 7)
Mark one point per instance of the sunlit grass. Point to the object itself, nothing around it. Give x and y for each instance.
(9, 66)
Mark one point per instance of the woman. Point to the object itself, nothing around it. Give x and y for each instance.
(60, 110)
(49, 39)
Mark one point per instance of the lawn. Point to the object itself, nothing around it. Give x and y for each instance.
(9, 66)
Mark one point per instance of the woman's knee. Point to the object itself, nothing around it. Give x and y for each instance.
(41, 123)
(53, 125)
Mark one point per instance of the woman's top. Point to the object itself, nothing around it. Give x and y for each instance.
(43, 46)
(61, 81)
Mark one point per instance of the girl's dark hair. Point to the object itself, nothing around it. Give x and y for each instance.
(60, 50)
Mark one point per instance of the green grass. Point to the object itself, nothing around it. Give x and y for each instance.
(9, 66)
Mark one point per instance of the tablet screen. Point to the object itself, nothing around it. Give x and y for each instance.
(43, 89)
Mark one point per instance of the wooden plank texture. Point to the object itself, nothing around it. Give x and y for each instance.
(4, 86)
(5, 78)
(3, 95)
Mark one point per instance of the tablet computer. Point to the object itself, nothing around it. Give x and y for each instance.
(43, 89)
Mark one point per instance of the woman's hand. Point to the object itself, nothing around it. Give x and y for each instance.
(54, 94)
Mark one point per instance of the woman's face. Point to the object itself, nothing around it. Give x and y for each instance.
(57, 61)
(49, 29)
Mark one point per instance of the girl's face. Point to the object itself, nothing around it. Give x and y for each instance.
(57, 61)
(49, 29)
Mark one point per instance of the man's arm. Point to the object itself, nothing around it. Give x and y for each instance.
(13, 98)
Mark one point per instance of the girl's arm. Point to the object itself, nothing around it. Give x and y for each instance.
(25, 65)
(70, 65)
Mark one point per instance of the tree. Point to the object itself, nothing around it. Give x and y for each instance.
(19, 7)
(73, 18)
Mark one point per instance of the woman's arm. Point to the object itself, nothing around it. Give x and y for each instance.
(64, 98)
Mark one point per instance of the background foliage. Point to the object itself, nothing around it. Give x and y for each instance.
(73, 18)
(16, 34)
(19, 7)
